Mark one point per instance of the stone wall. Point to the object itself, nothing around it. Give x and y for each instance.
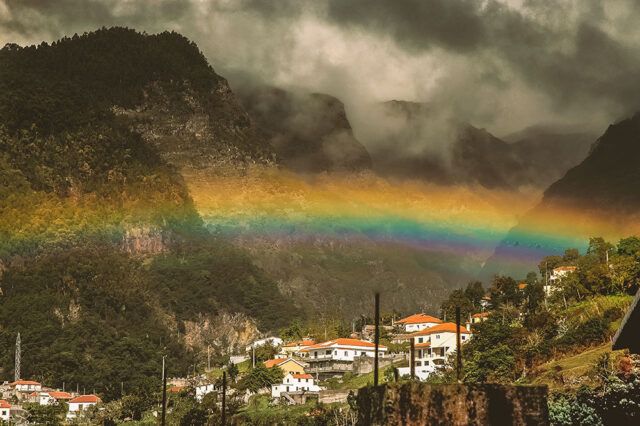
(414, 403)
(331, 396)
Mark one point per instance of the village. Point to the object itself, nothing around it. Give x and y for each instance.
(420, 344)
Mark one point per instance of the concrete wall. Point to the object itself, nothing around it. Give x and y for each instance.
(413, 403)
(364, 365)
(330, 396)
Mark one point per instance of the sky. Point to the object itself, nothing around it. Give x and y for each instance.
(499, 64)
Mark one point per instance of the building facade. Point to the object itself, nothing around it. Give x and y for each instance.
(295, 383)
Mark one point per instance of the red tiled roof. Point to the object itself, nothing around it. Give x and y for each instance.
(565, 268)
(300, 343)
(422, 345)
(419, 319)
(486, 298)
(447, 327)
(24, 382)
(4, 404)
(522, 286)
(273, 362)
(173, 389)
(302, 376)
(343, 342)
(484, 314)
(85, 399)
(60, 395)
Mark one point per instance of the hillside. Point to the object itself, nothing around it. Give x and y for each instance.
(596, 197)
(105, 265)
(426, 143)
(309, 132)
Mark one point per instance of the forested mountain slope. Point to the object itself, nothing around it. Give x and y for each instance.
(105, 265)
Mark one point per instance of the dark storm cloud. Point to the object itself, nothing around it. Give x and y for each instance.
(488, 61)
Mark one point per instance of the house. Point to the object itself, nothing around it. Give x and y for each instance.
(275, 341)
(561, 272)
(433, 344)
(522, 286)
(80, 403)
(48, 398)
(291, 349)
(484, 302)
(176, 389)
(475, 318)
(343, 350)
(26, 386)
(203, 389)
(288, 365)
(627, 335)
(294, 383)
(418, 322)
(5, 410)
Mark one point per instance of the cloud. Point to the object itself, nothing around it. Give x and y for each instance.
(503, 65)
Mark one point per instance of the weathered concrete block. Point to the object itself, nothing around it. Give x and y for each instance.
(414, 403)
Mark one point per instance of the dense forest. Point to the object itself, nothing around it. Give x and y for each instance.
(103, 257)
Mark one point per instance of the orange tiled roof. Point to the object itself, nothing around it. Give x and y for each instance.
(300, 343)
(4, 404)
(565, 268)
(85, 399)
(343, 342)
(302, 376)
(484, 314)
(422, 345)
(447, 327)
(24, 382)
(273, 362)
(522, 286)
(60, 395)
(486, 298)
(419, 319)
(174, 389)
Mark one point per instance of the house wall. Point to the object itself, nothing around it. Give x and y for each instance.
(441, 345)
(5, 414)
(410, 328)
(343, 354)
(291, 367)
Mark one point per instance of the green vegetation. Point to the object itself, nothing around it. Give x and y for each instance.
(103, 258)
(562, 340)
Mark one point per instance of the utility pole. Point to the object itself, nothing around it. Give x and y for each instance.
(412, 359)
(458, 346)
(376, 339)
(253, 347)
(164, 391)
(224, 398)
(18, 358)
(208, 357)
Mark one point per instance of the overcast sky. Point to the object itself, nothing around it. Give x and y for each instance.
(503, 65)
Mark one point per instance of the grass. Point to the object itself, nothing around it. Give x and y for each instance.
(574, 370)
(261, 412)
(216, 373)
(351, 381)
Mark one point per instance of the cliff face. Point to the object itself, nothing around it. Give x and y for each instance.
(310, 133)
(198, 132)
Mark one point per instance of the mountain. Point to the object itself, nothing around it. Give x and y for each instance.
(105, 264)
(310, 133)
(426, 143)
(598, 197)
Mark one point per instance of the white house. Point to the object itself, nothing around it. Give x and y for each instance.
(48, 398)
(295, 383)
(26, 386)
(433, 344)
(76, 405)
(484, 302)
(290, 349)
(342, 350)
(421, 372)
(418, 322)
(275, 341)
(5, 410)
(202, 390)
(561, 272)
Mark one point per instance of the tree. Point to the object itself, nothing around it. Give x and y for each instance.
(571, 256)
(534, 296)
(294, 332)
(504, 290)
(261, 377)
(599, 248)
(474, 292)
(266, 352)
(457, 298)
(52, 414)
(629, 246)
(232, 371)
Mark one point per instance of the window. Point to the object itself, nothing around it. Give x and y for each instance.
(363, 353)
(426, 363)
(335, 352)
(327, 352)
(346, 353)
(420, 339)
(80, 405)
(437, 336)
(418, 363)
(462, 337)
